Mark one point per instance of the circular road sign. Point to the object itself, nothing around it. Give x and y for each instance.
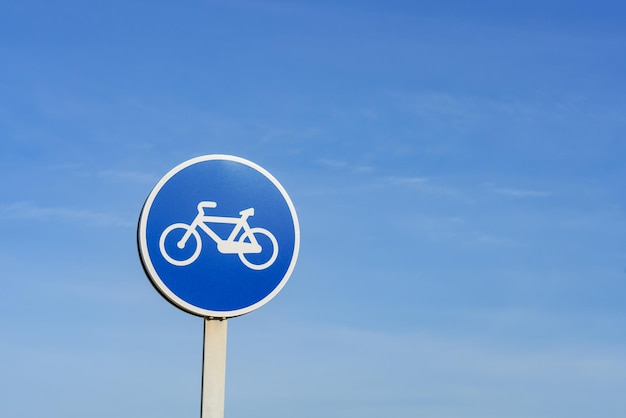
(218, 236)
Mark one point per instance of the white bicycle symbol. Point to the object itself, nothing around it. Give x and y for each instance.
(236, 243)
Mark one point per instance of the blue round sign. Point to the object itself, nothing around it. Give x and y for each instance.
(218, 236)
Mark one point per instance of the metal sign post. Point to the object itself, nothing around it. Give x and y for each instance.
(213, 368)
(218, 237)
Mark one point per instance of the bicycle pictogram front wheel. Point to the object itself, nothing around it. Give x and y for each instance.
(176, 251)
(267, 256)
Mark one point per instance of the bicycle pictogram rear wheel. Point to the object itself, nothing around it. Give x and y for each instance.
(170, 249)
(264, 238)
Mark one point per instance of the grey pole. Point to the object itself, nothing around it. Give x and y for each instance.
(213, 368)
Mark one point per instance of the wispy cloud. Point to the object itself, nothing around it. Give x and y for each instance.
(424, 185)
(506, 191)
(495, 240)
(25, 210)
(123, 176)
(345, 165)
(331, 163)
(407, 180)
(463, 110)
(451, 367)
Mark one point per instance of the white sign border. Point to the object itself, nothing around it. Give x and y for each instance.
(154, 276)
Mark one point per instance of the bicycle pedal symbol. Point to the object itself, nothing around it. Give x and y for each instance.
(241, 241)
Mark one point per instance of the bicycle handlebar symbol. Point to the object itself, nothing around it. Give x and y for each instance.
(241, 241)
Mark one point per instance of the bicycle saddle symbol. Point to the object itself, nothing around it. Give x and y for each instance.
(241, 241)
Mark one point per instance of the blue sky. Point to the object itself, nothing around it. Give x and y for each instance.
(457, 169)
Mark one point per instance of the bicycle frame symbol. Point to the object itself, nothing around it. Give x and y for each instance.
(241, 241)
